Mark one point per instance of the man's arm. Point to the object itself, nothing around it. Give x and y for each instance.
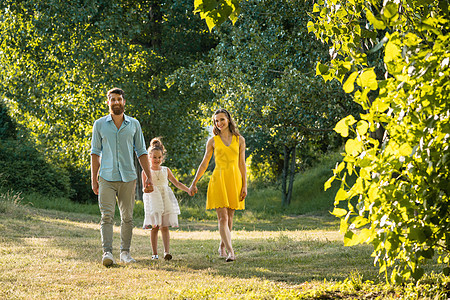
(95, 166)
(145, 164)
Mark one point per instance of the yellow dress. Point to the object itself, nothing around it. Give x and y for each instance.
(224, 188)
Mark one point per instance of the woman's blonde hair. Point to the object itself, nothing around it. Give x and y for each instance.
(156, 144)
(231, 125)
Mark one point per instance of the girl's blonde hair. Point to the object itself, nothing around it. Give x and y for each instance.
(231, 125)
(156, 144)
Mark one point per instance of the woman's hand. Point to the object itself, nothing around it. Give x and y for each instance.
(243, 193)
(192, 190)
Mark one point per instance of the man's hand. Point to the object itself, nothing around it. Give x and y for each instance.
(95, 186)
(148, 188)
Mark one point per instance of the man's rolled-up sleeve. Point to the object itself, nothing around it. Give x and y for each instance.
(139, 142)
(96, 142)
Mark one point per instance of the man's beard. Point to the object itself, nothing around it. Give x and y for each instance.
(118, 109)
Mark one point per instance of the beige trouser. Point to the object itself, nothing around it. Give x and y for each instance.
(123, 192)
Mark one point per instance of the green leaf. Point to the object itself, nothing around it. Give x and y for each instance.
(390, 11)
(340, 167)
(359, 222)
(321, 69)
(428, 254)
(417, 234)
(380, 105)
(342, 126)
(340, 195)
(316, 8)
(405, 150)
(417, 273)
(339, 212)
(369, 79)
(377, 24)
(392, 52)
(349, 84)
(350, 239)
(362, 127)
(366, 234)
(327, 184)
(353, 147)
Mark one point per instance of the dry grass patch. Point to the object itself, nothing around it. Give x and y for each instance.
(52, 255)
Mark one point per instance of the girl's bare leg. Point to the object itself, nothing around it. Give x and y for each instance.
(154, 240)
(165, 238)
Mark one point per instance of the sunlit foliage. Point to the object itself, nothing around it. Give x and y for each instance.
(400, 201)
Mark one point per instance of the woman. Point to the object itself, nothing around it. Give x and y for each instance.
(227, 187)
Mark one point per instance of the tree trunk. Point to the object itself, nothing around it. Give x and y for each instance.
(291, 177)
(286, 152)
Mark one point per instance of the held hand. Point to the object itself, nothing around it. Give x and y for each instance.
(243, 193)
(148, 189)
(148, 186)
(193, 190)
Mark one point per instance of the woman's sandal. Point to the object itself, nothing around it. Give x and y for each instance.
(155, 256)
(230, 258)
(222, 254)
(167, 256)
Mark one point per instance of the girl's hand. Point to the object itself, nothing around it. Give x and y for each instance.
(243, 193)
(148, 189)
(192, 190)
(148, 185)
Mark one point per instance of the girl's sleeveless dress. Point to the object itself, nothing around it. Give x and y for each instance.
(160, 206)
(224, 188)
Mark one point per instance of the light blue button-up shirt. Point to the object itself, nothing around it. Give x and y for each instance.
(115, 146)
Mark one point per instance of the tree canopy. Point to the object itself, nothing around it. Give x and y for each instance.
(399, 202)
(264, 69)
(393, 57)
(60, 57)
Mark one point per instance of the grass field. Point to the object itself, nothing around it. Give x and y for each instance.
(48, 254)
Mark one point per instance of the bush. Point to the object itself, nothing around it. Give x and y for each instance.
(7, 125)
(80, 182)
(24, 169)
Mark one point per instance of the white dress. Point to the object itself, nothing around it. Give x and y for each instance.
(160, 206)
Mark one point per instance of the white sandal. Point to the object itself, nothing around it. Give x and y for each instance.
(222, 254)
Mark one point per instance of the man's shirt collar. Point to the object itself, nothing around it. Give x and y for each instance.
(125, 118)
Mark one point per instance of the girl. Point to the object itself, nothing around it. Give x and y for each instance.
(227, 187)
(161, 206)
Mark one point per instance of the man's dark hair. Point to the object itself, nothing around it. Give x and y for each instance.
(116, 91)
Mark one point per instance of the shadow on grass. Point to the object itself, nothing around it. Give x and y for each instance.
(282, 260)
(292, 259)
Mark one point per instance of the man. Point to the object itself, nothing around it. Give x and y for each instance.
(113, 175)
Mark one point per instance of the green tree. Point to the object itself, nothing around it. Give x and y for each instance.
(399, 202)
(215, 12)
(60, 57)
(7, 125)
(263, 70)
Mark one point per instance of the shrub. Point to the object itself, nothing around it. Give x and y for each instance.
(24, 169)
